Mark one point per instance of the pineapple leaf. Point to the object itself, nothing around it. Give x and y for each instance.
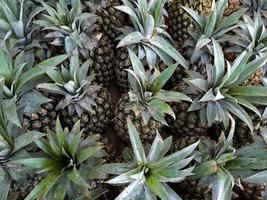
(218, 61)
(161, 189)
(172, 96)
(43, 187)
(258, 178)
(76, 177)
(136, 143)
(155, 149)
(199, 19)
(131, 38)
(26, 139)
(5, 186)
(163, 77)
(222, 188)
(165, 46)
(210, 24)
(38, 70)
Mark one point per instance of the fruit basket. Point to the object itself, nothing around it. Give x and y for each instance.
(133, 99)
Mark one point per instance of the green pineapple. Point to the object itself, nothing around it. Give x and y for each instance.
(18, 33)
(148, 174)
(147, 37)
(72, 28)
(222, 93)
(69, 164)
(221, 166)
(147, 103)
(80, 99)
(13, 143)
(207, 27)
(18, 84)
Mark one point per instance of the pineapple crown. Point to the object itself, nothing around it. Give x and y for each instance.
(148, 37)
(74, 84)
(256, 6)
(215, 26)
(223, 93)
(148, 174)
(71, 28)
(220, 164)
(12, 143)
(147, 95)
(18, 80)
(68, 162)
(252, 31)
(17, 30)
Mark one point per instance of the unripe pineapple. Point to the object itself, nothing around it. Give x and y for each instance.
(97, 119)
(74, 28)
(147, 37)
(214, 93)
(123, 111)
(80, 98)
(146, 104)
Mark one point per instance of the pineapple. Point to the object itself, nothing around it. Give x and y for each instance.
(207, 27)
(13, 142)
(69, 163)
(180, 23)
(146, 104)
(148, 174)
(222, 92)
(111, 19)
(18, 82)
(220, 166)
(73, 28)
(147, 37)
(18, 33)
(80, 99)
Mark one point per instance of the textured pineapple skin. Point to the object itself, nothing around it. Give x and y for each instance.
(178, 21)
(112, 19)
(95, 121)
(45, 118)
(122, 62)
(255, 192)
(102, 60)
(187, 123)
(147, 131)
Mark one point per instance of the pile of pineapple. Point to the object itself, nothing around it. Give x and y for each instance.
(133, 99)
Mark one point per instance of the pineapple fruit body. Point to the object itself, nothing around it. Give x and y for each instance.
(147, 131)
(101, 59)
(45, 118)
(95, 121)
(112, 19)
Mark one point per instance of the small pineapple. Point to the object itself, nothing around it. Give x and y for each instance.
(147, 37)
(222, 92)
(146, 104)
(13, 142)
(73, 28)
(80, 99)
(18, 33)
(69, 163)
(148, 174)
(19, 82)
(220, 166)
